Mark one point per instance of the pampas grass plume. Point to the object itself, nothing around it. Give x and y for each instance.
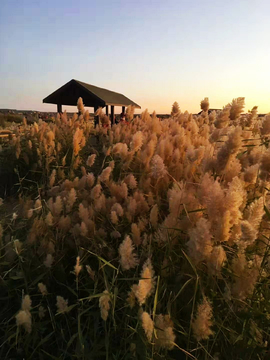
(38, 206)
(62, 304)
(17, 245)
(77, 267)
(131, 181)
(42, 289)
(52, 178)
(255, 213)
(148, 325)
(175, 109)
(80, 105)
(118, 209)
(136, 234)
(41, 312)
(26, 303)
(202, 324)
(131, 299)
(154, 216)
(137, 141)
(83, 229)
(91, 159)
(90, 179)
(205, 104)
(165, 336)
(49, 219)
(216, 259)
(95, 192)
(72, 196)
(146, 284)
(104, 304)
(105, 175)
(48, 261)
(24, 317)
(64, 223)
(128, 259)
(114, 217)
(200, 244)
(237, 108)
(90, 272)
(58, 206)
(158, 169)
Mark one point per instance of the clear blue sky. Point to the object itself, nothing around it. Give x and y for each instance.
(155, 52)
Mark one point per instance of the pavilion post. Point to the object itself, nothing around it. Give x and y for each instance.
(107, 110)
(112, 114)
(59, 108)
(96, 117)
(123, 109)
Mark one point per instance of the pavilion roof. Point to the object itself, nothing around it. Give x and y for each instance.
(93, 96)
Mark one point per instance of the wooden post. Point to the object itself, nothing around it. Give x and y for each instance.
(112, 114)
(123, 109)
(96, 117)
(59, 108)
(107, 110)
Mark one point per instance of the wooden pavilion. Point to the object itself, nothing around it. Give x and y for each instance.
(92, 96)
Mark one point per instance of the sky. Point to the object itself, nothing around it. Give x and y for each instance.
(153, 51)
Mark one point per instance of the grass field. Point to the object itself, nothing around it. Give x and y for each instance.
(146, 240)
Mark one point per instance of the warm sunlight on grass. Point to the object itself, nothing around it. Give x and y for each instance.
(142, 240)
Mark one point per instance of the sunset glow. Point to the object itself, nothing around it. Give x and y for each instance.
(154, 52)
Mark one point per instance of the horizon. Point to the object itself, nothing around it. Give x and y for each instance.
(153, 53)
(139, 111)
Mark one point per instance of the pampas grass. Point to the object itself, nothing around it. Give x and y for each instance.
(172, 219)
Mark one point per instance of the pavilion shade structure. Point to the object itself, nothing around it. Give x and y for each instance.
(92, 96)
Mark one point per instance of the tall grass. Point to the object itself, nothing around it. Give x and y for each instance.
(147, 240)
